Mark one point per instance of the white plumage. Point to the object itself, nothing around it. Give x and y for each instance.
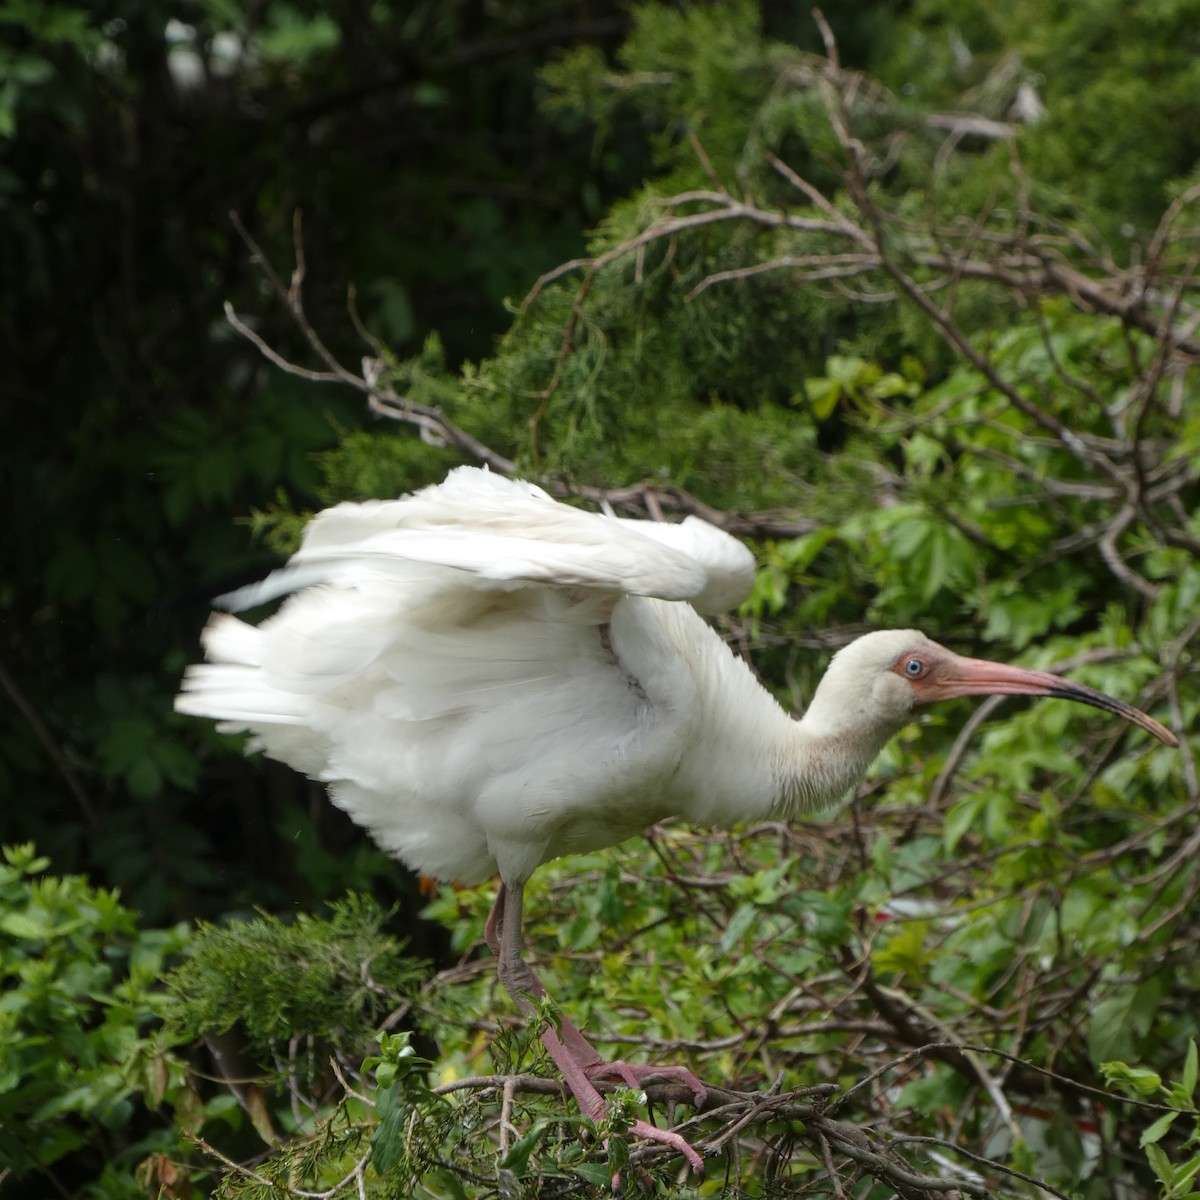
(487, 679)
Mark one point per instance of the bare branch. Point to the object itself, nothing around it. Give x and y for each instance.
(54, 751)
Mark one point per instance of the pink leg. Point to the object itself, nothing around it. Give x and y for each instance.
(495, 919)
(576, 1058)
(585, 1054)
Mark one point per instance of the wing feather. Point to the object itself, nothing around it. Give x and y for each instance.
(511, 533)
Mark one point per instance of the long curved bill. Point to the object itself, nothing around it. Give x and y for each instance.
(977, 677)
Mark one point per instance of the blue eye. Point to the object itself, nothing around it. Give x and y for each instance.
(914, 668)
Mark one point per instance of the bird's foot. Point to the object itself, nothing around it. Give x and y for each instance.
(576, 1058)
(580, 1065)
(637, 1074)
(667, 1137)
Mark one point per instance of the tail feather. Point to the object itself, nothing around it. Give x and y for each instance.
(237, 695)
(228, 640)
(231, 687)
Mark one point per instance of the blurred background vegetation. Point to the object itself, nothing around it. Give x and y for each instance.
(916, 312)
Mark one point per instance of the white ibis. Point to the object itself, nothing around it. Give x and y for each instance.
(488, 679)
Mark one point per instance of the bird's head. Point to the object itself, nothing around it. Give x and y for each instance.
(880, 679)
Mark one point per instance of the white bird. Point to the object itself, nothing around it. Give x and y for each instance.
(488, 679)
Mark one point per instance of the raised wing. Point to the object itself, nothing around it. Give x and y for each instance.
(512, 533)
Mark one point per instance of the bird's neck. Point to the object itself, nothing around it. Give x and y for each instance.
(819, 762)
(749, 759)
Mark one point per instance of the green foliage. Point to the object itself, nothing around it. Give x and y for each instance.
(1177, 1180)
(32, 69)
(402, 1092)
(98, 1039)
(80, 1017)
(329, 978)
(1118, 85)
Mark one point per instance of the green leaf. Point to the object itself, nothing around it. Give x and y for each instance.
(446, 1182)
(823, 395)
(1137, 1080)
(23, 926)
(902, 948)
(1187, 1171)
(1160, 1164)
(739, 925)
(1156, 1131)
(517, 1158)
(961, 817)
(387, 1142)
(596, 1174)
(190, 1113)
(1111, 1029)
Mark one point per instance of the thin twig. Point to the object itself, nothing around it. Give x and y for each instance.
(55, 752)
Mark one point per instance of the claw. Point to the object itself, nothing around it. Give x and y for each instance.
(637, 1074)
(677, 1142)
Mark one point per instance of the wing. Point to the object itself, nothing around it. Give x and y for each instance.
(507, 532)
(449, 678)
